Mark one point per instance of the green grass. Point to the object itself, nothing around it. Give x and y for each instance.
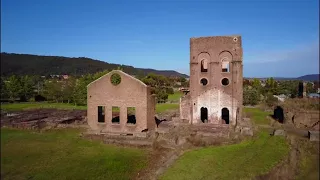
(174, 97)
(239, 161)
(257, 116)
(62, 154)
(26, 106)
(160, 108)
(309, 165)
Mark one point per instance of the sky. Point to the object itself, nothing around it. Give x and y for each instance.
(280, 38)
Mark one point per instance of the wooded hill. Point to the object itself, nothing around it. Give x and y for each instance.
(26, 64)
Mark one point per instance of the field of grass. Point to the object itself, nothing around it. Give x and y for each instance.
(24, 106)
(257, 116)
(175, 97)
(34, 105)
(309, 165)
(62, 154)
(166, 106)
(239, 161)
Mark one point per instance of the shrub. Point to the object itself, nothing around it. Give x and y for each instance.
(271, 100)
(250, 96)
(169, 90)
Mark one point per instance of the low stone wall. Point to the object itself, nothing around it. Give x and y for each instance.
(303, 119)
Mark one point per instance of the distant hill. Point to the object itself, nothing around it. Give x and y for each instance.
(309, 77)
(26, 64)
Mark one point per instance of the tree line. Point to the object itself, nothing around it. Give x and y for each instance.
(74, 89)
(27, 64)
(254, 92)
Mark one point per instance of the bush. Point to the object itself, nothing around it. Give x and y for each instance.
(161, 95)
(271, 100)
(250, 96)
(169, 90)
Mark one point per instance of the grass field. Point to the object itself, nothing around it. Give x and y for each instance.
(24, 106)
(175, 97)
(32, 105)
(239, 161)
(160, 108)
(62, 154)
(257, 116)
(309, 165)
(245, 160)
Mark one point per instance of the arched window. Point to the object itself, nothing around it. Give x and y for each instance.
(225, 66)
(204, 65)
(225, 59)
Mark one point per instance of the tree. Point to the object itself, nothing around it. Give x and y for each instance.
(288, 88)
(185, 84)
(4, 91)
(271, 86)
(169, 90)
(27, 84)
(271, 100)
(182, 79)
(159, 84)
(250, 96)
(13, 87)
(53, 90)
(310, 88)
(68, 89)
(161, 95)
(256, 84)
(80, 89)
(99, 74)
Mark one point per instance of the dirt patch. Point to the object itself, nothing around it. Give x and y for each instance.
(43, 118)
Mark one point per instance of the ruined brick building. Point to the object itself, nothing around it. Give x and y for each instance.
(215, 81)
(119, 103)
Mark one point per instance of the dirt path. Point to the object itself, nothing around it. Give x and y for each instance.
(159, 161)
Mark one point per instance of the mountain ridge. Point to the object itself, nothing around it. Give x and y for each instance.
(308, 77)
(30, 64)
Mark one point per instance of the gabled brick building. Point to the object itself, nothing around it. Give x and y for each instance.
(119, 103)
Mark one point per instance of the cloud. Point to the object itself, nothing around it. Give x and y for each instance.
(292, 63)
(299, 52)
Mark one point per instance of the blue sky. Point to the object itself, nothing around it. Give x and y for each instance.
(279, 37)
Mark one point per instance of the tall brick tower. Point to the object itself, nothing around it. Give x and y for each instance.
(216, 81)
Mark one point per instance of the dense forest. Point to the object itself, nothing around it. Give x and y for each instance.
(25, 64)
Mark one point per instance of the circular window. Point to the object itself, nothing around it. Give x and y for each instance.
(235, 39)
(204, 81)
(115, 79)
(225, 81)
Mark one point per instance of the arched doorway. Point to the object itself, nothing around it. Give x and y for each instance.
(225, 115)
(204, 114)
(278, 114)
